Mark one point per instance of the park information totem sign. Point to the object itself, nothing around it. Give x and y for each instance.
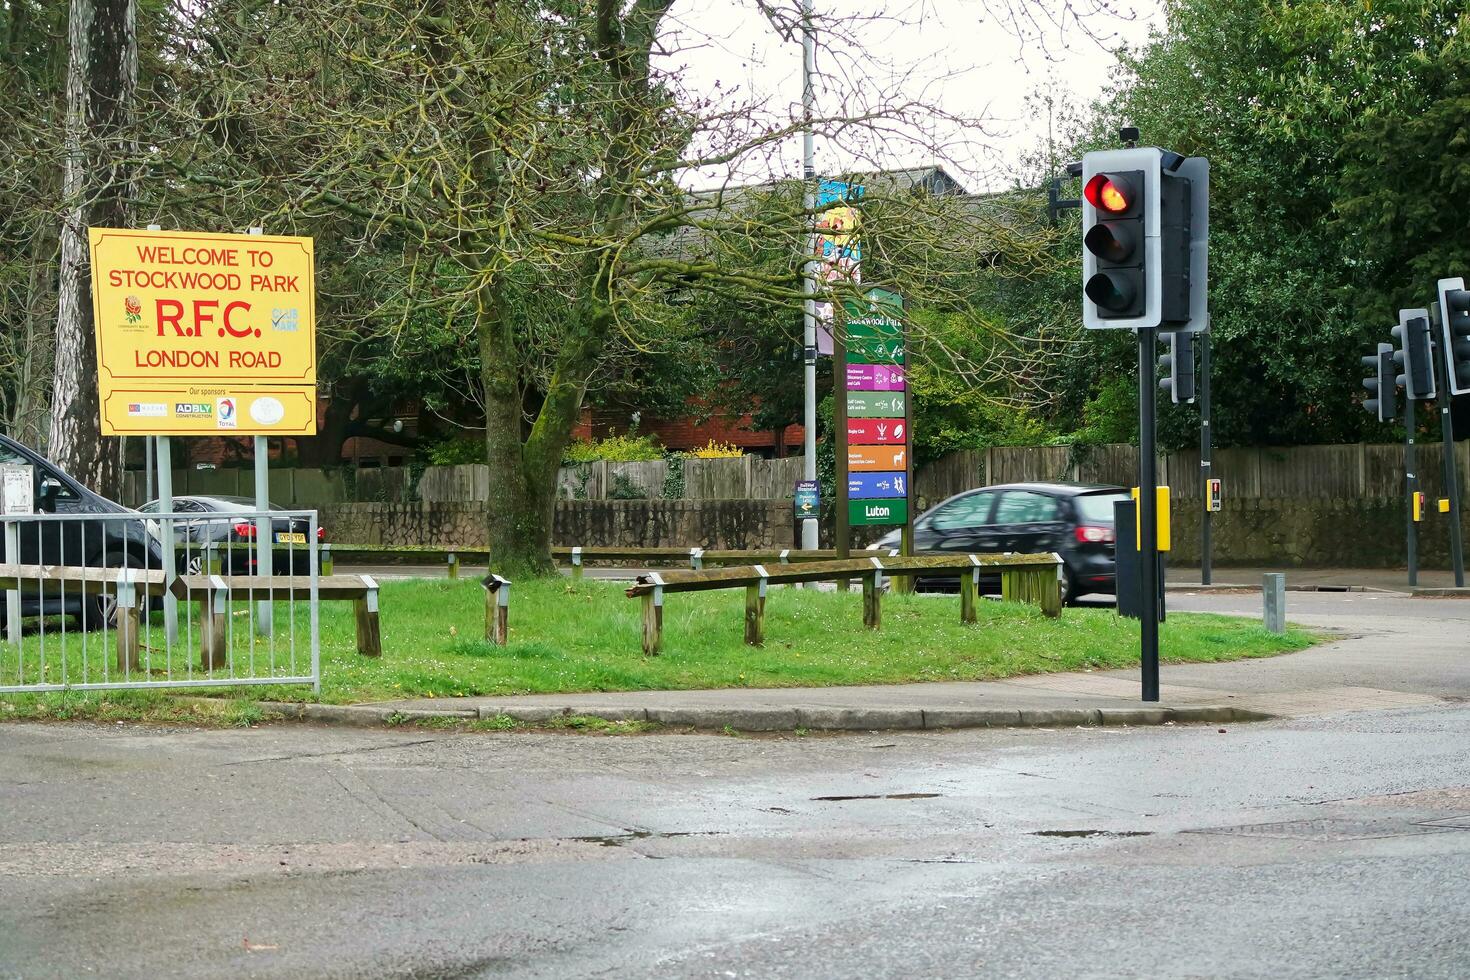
(204, 334)
(874, 461)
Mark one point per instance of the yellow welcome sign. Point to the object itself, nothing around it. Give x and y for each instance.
(203, 333)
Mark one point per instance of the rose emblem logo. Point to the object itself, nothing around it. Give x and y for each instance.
(133, 308)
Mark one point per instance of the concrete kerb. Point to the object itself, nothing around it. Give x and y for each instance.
(780, 719)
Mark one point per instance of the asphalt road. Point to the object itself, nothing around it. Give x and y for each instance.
(1335, 846)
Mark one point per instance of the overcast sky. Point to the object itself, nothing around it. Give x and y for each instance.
(977, 59)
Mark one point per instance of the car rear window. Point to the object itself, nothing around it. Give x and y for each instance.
(1097, 508)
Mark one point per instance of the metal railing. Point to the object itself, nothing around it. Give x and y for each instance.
(91, 601)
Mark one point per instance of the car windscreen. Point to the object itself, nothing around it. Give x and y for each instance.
(1097, 508)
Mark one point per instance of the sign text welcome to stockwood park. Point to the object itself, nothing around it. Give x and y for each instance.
(200, 333)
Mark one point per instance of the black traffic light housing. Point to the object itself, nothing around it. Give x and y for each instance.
(1412, 359)
(1178, 367)
(1454, 314)
(1383, 393)
(1118, 287)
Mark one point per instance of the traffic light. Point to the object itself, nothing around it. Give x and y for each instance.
(1178, 367)
(1454, 316)
(1383, 394)
(1117, 281)
(1145, 237)
(1412, 359)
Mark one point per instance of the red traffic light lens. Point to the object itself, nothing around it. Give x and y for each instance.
(1109, 193)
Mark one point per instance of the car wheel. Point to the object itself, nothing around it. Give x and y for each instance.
(101, 610)
(195, 565)
(1068, 586)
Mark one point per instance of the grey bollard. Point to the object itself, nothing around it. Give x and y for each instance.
(1273, 592)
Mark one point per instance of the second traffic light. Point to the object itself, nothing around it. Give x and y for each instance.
(1413, 357)
(1454, 312)
(1383, 394)
(1178, 367)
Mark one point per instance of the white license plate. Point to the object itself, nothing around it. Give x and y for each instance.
(290, 537)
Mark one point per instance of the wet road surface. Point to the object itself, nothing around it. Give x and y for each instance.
(1328, 846)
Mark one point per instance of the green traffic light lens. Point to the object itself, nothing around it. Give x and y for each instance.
(1110, 292)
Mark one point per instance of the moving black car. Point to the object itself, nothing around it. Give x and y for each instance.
(1073, 520)
(289, 551)
(102, 544)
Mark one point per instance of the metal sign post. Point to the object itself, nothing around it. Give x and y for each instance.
(1411, 487)
(1447, 436)
(17, 498)
(1206, 440)
(164, 456)
(1148, 517)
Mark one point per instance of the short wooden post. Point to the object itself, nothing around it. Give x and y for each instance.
(906, 583)
(326, 559)
(755, 610)
(497, 609)
(451, 560)
(214, 613)
(969, 588)
(653, 619)
(1010, 585)
(696, 558)
(1049, 590)
(127, 622)
(369, 634)
(577, 562)
(872, 611)
(211, 557)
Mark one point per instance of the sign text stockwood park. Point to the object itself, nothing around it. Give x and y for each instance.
(203, 333)
(877, 467)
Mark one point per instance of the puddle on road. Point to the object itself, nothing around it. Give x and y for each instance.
(1091, 833)
(876, 796)
(618, 840)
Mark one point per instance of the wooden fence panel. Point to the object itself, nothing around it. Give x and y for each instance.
(947, 476)
(774, 479)
(717, 479)
(627, 481)
(466, 483)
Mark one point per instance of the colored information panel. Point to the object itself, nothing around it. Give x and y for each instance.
(876, 432)
(875, 350)
(875, 404)
(183, 410)
(807, 500)
(875, 377)
(199, 319)
(895, 511)
(883, 329)
(877, 458)
(868, 486)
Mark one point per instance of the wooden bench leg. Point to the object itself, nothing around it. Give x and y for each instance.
(1049, 592)
(653, 621)
(127, 627)
(872, 611)
(969, 585)
(497, 610)
(369, 635)
(755, 614)
(213, 615)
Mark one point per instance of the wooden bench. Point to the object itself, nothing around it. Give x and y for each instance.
(1024, 578)
(213, 593)
(128, 584)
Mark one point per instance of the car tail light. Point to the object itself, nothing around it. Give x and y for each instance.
(321, 534)
(245, 530)
(1094, 534)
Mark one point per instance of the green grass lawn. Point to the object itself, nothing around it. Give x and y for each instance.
(568, 637)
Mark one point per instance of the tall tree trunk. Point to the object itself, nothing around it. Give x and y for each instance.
(102, 78)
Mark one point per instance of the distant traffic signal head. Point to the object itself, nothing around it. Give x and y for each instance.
(1178, 367)
(1412, 359)
(1383, 396)
(1454, 313)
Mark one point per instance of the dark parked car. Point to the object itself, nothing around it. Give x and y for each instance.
(101, 544)
(219, 521)
(1072, 520)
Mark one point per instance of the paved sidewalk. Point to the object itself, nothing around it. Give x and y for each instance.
(1383, 662)
(1317, 579)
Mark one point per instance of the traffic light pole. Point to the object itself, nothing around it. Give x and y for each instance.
(1147, 516)
(1451, 476)
(1411, 485)
(1206, 441)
